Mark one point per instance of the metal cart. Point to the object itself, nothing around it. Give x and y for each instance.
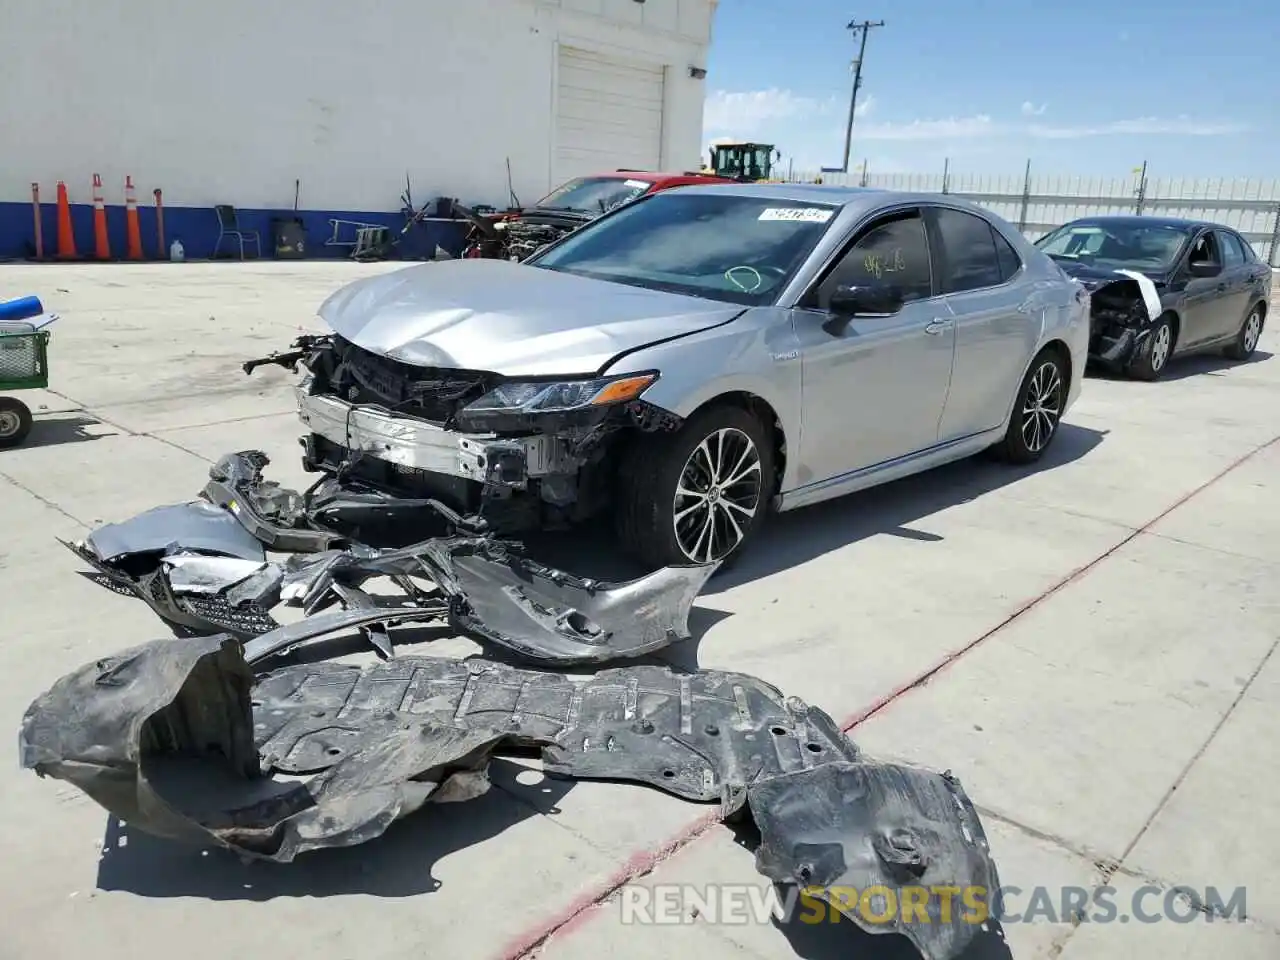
(24, 365)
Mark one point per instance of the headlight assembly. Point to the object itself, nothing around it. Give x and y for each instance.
(525, 398)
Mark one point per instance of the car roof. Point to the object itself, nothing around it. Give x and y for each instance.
(1133, 219)
(658, 176)
(850, 198)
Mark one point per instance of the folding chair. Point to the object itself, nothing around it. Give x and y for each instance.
(229, 227)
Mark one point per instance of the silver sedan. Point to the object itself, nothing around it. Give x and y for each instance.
(696, 360)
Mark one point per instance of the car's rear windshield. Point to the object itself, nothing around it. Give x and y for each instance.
(720, 246)
(1123, 244)
(593, 195)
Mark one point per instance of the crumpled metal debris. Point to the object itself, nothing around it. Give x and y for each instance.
(327, 754)
(481, 586)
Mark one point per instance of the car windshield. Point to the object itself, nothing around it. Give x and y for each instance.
(719, 246)
(593, 195)
(1124, 244)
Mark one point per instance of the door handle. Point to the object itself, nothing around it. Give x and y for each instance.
(1221, 287)
(937, 325)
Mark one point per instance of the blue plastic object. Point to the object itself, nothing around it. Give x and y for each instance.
(24, 308)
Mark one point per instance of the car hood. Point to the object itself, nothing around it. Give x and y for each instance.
(509, 318)
(1094, 277)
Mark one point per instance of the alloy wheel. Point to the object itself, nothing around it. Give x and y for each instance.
(10, 424)
(1252, 330)
(1160, 347)
(717, 496)
(1042, 407)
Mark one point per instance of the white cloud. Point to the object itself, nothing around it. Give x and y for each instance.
(740, 114)
(1142, 126)
(750, 111)
(1029, 109)
(980, 125)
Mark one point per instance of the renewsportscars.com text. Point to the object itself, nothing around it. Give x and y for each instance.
(752, 903)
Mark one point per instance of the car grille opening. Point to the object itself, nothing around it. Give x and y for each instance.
(434, 394)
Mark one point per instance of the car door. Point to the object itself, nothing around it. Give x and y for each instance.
(995, 328)
(1238, 277)
(873, 386)
(1202, 293)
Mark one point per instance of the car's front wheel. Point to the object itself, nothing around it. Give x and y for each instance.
(699, 494)
(1154, 353)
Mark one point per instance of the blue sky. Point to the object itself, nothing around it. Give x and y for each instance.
(1080, 87)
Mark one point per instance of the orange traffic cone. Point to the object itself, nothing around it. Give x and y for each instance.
(133, 236)
(102, 246)
(66, 235)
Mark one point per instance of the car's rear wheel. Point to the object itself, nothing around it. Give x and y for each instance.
(1037, 413)
(698, 495)
(1154, 353)
(1247, 339)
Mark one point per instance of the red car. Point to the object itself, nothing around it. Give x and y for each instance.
(516, 234)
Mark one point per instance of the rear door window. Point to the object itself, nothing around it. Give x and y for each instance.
(1232, 251)
(1007, 257)
(969, 257)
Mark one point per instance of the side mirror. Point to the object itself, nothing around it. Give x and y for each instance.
(1204, 269)
(880, 300)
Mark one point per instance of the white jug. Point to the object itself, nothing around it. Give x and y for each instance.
(176, 252)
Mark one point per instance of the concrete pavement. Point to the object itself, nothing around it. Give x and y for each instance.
(1088, 646)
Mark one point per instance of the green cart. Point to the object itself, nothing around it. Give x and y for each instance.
(24, 365)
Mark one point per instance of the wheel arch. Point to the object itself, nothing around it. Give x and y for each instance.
(1175, 323)
(1056, 345)
(769, 418)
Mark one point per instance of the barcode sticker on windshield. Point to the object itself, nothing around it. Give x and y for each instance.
(798, 214)
(636, 183)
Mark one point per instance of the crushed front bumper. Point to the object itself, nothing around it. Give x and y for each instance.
(411, 444)
(1117, 346)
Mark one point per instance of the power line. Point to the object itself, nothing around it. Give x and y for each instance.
(857, 29)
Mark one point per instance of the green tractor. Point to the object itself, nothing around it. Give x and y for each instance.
(739, 160)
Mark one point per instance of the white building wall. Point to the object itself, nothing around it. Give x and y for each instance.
(230, 101)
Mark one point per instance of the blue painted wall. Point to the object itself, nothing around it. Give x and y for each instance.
(197, 228)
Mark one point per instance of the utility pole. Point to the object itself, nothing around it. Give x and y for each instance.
(858, 29)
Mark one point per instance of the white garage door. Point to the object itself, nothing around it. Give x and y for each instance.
(609, 115)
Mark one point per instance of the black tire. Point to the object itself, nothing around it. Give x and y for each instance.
(1043, 392)
(650, 471)
(15, 422)
(1247, 338)
(1152, 358)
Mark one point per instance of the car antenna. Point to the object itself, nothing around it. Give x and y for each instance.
(515, 201)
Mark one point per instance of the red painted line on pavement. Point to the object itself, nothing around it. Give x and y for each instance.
(922, 679)
(637, 866)
(575, 914)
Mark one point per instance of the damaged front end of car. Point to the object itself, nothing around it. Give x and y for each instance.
(1124, 308)
(514, 455)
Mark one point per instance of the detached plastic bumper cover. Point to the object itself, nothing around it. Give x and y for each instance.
(375, 744)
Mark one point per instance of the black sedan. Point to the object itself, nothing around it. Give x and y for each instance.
(1163, 288)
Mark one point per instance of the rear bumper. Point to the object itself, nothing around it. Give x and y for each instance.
(416, 445)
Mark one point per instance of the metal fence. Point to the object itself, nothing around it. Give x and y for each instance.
(1038, 203)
